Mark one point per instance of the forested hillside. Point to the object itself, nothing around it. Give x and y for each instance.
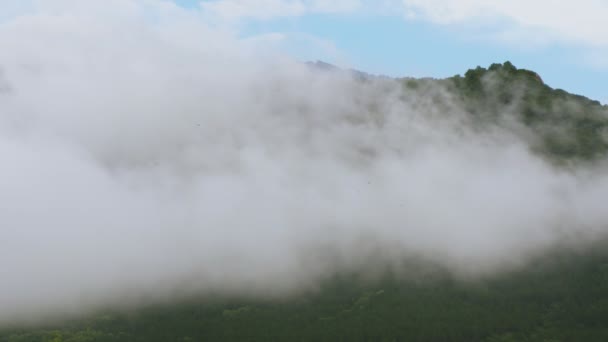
(560, 295)
(562, 126)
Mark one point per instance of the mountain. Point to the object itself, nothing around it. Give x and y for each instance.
(561, 126)
(569, 126)
(559, 296)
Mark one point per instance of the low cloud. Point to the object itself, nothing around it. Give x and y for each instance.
(157, 156)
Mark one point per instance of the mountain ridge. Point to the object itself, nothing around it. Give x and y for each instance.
(570, 127)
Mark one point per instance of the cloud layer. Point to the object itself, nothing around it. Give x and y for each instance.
(146, 155)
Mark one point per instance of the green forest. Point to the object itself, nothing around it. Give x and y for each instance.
(561, 295)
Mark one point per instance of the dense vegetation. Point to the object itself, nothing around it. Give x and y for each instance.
(566, 127)
(559, 297)
(562, 297)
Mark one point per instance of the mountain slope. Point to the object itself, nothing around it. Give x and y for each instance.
(559, 296)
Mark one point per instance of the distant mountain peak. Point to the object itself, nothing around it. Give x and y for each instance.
(322, 65)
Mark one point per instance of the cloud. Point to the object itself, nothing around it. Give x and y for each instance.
(575, 22)
(159, 156)
(267, 9)
(578, 27)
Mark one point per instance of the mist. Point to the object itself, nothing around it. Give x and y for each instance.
(145, 153)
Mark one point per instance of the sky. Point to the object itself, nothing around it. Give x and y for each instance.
(565, 42)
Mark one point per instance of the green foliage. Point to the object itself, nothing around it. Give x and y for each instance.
(559, 297)
(569, 127)
(65, 335)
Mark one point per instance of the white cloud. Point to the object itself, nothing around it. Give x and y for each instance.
(266, 9)
(146, 154)
(579, 22)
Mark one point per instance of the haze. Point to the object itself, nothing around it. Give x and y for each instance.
(146, 154)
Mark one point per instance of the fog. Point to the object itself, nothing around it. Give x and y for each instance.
(146, 154)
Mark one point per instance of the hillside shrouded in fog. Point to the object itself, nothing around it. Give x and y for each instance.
(149, 158)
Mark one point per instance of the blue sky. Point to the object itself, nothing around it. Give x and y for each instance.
(436, 38)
